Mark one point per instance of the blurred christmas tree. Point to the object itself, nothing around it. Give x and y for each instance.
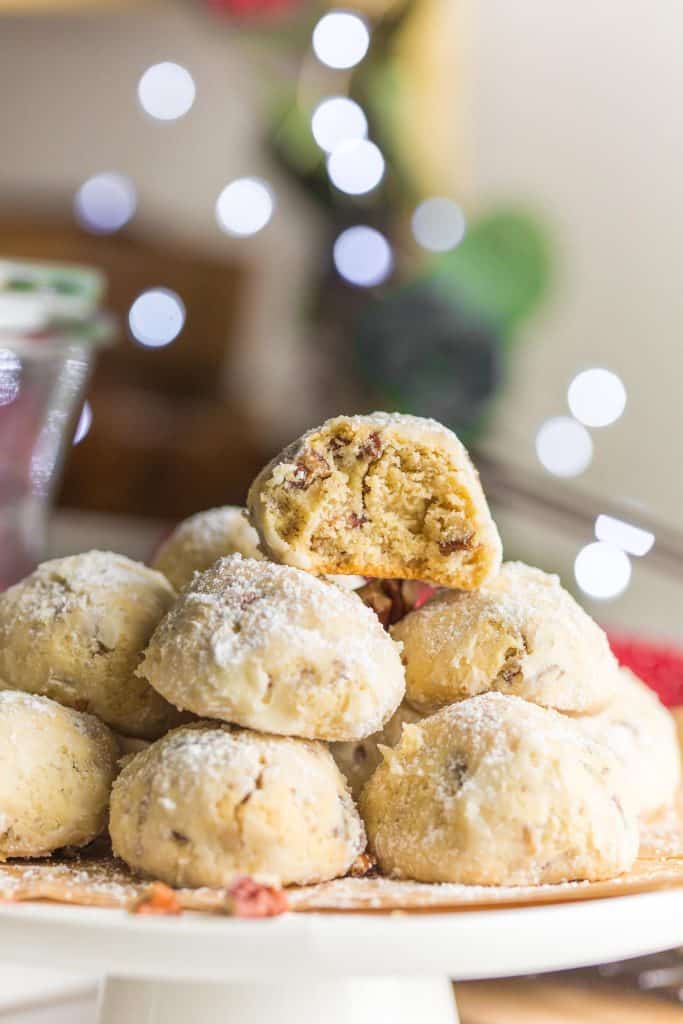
(418, 299)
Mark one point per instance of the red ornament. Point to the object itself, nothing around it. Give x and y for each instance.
(252, 8)
(658, 665)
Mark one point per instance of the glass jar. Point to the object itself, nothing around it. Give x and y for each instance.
(50, 329)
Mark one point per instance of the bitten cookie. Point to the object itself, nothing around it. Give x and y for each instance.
(56, 771)
(521, 634)
(210, 801)
(637, 727)
(197, 542)
(383, 495)
(275, 649)
(74, 630)
(497, 791)
(358, 760)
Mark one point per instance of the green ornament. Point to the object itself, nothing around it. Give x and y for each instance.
(501, 268)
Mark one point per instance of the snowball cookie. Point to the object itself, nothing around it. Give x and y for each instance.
(274, 649)
(74, 630)
(358, 760)
(637, 727)
(521, 634)
(382, 495)
(197, 542)
(56, 771)
(209, 801)
(498, 791)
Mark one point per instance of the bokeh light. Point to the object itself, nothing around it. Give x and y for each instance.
(438, 224)
(84, 423)
(363, 256)
(10, 376)
(564, 447)
(156, 317)
(356, 167)
(244, 207)
(337, 120)
(597, 397)
(602, 570)
(105, 202)
(626, 536)
(166, 91)
(340, 39)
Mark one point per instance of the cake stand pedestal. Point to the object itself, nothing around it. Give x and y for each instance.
(325, 968)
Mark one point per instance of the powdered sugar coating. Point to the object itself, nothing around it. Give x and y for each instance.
(210, 801)
(497, 791)
(521, 634)
(275, 649)
(56, 770)
(639, 730)
(198, 541)
(74, 630)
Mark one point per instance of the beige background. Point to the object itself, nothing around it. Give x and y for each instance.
(573, 108)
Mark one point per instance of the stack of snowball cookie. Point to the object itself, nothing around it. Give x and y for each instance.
(251, 705)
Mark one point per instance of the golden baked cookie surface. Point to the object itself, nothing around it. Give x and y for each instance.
(496, 790)
(640, 731)
(521, 634)
(382, 495)
(198, 541)
(208, 802)
(56, 770)
(74, 630)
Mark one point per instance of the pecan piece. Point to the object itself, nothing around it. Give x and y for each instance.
(336, 442)
(458, 767)
(363, 865)
(310, 466)
(372, 447)
(356, 520)
(385, 597)
(391, 600)
(447, 547)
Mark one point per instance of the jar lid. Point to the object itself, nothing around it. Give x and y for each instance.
(35, 297)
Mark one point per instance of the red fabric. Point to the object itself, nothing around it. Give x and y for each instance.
(658, 665)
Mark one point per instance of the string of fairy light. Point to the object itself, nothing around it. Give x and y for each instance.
(363, 257)
(596, 398)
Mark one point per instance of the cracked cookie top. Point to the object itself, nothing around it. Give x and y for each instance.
(521, 634)
(272, 648)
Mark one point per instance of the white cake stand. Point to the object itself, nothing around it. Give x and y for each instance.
(332, 968)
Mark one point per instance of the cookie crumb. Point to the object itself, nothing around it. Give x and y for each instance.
(253, 899)
(159, 900)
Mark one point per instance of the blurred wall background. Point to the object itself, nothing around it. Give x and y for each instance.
(569, 109)
(71, 110)
(575, 107)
